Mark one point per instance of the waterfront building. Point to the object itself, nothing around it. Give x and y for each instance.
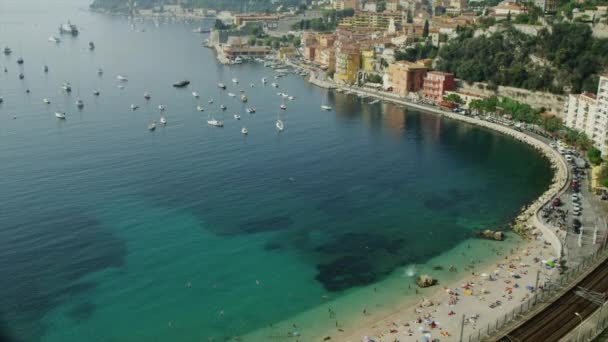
(238, 47)
(310, 53)
(588, 113)
(327, 59)
(392, 5)
(368, 58)
(436, 83)
(270, 22)
(341, 5)
(406, 77)
(348, 62)
(467, 98)
(372, 20)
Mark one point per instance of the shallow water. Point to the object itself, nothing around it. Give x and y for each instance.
(110, 232)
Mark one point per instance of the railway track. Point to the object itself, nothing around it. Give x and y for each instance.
(558, 319)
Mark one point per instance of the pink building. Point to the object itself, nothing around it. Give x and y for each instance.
(436, 83)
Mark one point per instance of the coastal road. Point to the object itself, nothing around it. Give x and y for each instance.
(558, 319)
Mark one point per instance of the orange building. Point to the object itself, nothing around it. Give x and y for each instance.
(406, 77)
(436, 83)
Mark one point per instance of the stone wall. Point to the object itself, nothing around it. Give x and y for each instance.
(553, 103)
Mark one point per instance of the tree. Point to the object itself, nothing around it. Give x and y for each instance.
(409, 19)
(425, 31)
(454, 98)
(509, 16)
(595, 156)
(251, 41)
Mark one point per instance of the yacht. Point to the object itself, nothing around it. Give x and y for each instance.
(284, 95)
(54, 39)
(7, 50)
(221, 85)
(121, 78)
(238, 60)
(237, 117)
(250, 110)
(68, 28)
(195, 94)
(161, 107)
(46, 68)
(134, 107)
(283, 106)
(251, 85)
(152, 126)
(243, 98)
(326, 108)
(291, 98)
(163, 121)
(20, 60)
(181, 84)
(215, 123)
(231, 94)
(91, 46)
(96, 92)
(79, 103)
(67, 87)
(147, 96)
(235, 81)
(60, 115)
(280, 126)
(46, 101)
(274, 85)
(244, 130)
(200, 108)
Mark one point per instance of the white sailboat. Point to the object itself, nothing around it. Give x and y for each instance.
(244, 131)
(163, 121)
(46, 101)
(210, 101)
(237, 117)
(60, 115)
(231, 94)
(152, 126)
(324, 106)
(96, 92)
(200, 108)
(235, 80)
(122, 78)
(264, 81)
(195, 94)
(161, 107)
(54, 39)
(147, 96)
(134, 107)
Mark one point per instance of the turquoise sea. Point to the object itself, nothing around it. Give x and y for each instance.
(110, 232)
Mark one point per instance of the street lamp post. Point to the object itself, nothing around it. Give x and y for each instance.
(578, 334)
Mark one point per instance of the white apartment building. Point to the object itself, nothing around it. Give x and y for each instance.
(589, 113)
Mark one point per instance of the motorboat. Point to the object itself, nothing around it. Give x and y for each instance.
(54, 39)
(161, 107)
(244, 131)
(242, 90)
(134, 107)
(243, 98)
(163, 121)
(1, 99)
(221, 85)
(215, 123)
(237, 117)
(79, 103)
(46, 101)
(223, 107)
(120, 86)
(20, 61)
(251, 85)
(67, 87)
(326, 108)
(181, 84)
(274, 85)
(264, 81)
(96, 92)
(152, 126)
(200, 108)
(291, 98)
(21, 76)
(231, 94)
(147, 96)
(280, 126)
(250, 110)
(195, 94)
(235, 81)
(60, 115)
(68, 28)
(210, 101)
(284, 95)
(122, 78)
(238, 60)
(91, 46)
(283, 106)
(7, 50)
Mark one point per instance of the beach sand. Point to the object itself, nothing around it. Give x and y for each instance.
(471, 297)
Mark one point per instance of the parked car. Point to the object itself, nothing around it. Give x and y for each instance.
(556, 202)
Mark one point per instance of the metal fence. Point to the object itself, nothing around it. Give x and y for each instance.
(551, 291)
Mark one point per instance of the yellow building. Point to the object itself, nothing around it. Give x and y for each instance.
(348, 63)
(286, 52)
(373, 20)
(368, 60)
(341, 5)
